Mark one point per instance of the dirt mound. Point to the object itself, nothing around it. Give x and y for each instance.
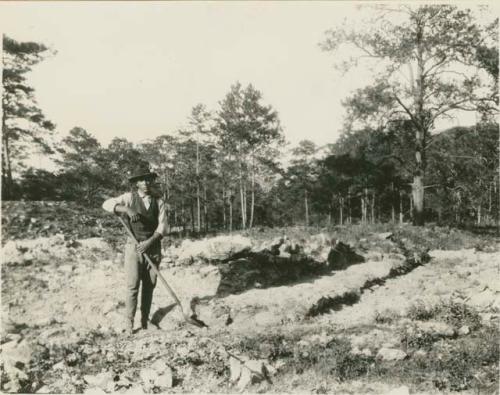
(46, 249)
(31, 219)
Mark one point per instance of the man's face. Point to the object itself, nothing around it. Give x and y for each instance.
(144, 185)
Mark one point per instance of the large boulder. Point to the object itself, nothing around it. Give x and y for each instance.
(218, 248)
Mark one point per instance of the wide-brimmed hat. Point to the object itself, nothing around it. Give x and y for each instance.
(141, 171)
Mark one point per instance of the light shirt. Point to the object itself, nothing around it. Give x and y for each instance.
(126, 200)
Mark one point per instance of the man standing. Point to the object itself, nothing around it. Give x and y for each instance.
(146, 218)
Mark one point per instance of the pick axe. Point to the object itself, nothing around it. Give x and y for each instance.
(193, 320)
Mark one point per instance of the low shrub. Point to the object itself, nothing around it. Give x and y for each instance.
(334, 358)
(453, 313)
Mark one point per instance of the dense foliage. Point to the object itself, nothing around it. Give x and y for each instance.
(24, 125)
(229, 167)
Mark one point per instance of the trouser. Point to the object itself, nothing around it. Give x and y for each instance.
(137, 271)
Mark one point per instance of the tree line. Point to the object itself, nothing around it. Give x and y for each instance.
(225, 169)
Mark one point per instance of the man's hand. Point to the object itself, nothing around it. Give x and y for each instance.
(143, 246)
(134, 217)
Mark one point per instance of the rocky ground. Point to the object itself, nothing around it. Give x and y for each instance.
(352, 310)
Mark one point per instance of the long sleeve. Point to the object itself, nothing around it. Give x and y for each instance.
(110, 204)
(162, 218)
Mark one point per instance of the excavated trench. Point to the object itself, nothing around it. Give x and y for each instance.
(413, 260)
(266, 270)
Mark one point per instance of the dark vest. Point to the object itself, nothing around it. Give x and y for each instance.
(146, 226)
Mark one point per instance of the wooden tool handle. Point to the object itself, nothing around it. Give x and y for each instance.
(152, 265)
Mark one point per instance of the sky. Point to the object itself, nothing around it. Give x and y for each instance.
(136, 69)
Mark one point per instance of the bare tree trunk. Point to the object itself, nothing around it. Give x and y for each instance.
(362, 200)
(457, 211)
(490, 204)
(176, 223)
(349, 218)
(364, 206)
(224, 220)
(401, 207)
(198, 208)
(245, 193)
(230, 213)
(393, 209)
(373, 207)
(418, 200)
(242, 201)
(479, 214)
(205, 203)
(252, 203)
(420, 134)
(193, 227)
(306, 207)
(411, 208)
(6, 166)
(341, 211)
(183, 220)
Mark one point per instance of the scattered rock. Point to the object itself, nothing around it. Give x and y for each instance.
(384, 235)
(94, 391)
(365, 351)
(135, 390)
(148, 377)
(403, 390)
(14, 374)
(44, 321)
(165, 380)
(103, 380)
(66, 268)
(420, 354)
(248, 372)
(486, 317)
(484, 299)
(436, 328)
(17, 352)
(391, 354)
(253, 372)
(44, 390)
(342, 256)
(164, 375)
(59, 366)
(234, 369)
(283, 251)
(269, 246)
(464, 330)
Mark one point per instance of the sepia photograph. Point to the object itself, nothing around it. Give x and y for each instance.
(250, 197)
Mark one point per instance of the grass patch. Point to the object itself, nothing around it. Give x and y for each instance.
(453, 313)
(335, 358)
(386, 316)
(469, 363)
(449, 364)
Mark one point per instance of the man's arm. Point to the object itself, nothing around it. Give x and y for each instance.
(121, 204)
